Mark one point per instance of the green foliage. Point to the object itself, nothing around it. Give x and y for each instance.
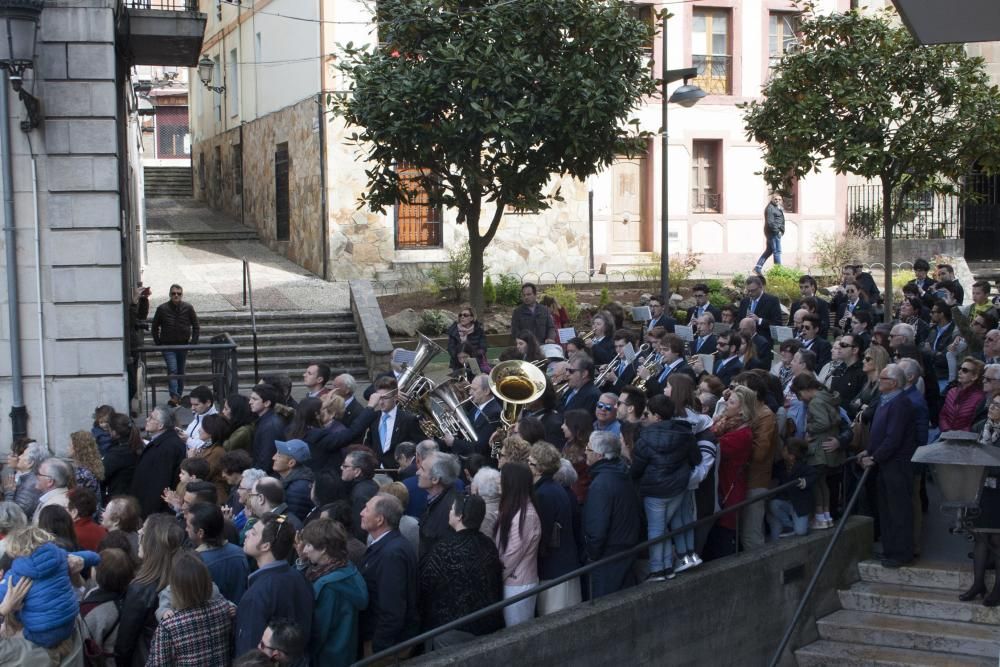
(508, 290)
(738, 281)
(489, 291)
(832, 251)
(718, 299)
(605, 298)
(783, 282)
(681, 267)
(565, 298)
(490, 100)
(454, 275)
(865, 223)
(714, 285)
(900, 278)
(433, 322)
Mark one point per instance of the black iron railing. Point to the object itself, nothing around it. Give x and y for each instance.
(168, 5)
(248, 297)
(715, 73)
(223, 376)
(924, 215)
(709, 202)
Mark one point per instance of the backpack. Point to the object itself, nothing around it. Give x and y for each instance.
(94, 654)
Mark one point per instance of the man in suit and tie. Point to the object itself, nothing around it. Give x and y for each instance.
(672, 353)
(344, 385)
(727, 363)
(764, 308)
(622, 372)
(701, 305)
(660, 317)
(807, 290)
(582, 394)
(704, 341)
(811, 340)
(393, 426)
(484, 413)
(764, 346)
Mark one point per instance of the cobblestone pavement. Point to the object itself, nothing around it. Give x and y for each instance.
(211, 272)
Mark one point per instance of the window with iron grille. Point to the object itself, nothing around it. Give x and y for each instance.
(171, 131)
(645, 14)
(711, 50)
(706, 176)
(418, 223)
(782, 35)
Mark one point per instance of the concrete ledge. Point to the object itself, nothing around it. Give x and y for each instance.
(907, 250)
(728, 612)
(371, 327)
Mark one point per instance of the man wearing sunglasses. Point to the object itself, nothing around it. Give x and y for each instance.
(606, 414)
(175, 323)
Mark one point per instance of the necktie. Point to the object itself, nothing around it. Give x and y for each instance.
(479, 413)
(664, 374)
(569, 397)
(753, 306)
(621, 368)
(383, 429)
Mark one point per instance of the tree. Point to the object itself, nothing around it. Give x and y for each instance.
(490, 99)
(861, 93)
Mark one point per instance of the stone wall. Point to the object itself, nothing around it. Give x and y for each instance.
(215, 181)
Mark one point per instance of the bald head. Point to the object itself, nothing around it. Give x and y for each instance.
(748, 326)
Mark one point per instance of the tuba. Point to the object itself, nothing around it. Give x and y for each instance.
(516, 384)
(412, 383)
(444, 407)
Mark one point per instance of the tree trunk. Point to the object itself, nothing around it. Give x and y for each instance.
(887, 218)
(477, 248)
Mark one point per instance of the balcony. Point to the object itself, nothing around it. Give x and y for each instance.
(706, 202)
(162, 32)
(715, 73)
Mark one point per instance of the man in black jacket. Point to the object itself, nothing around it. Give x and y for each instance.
(159, 464)
(394, 425)
(582, 394)
(390, 571)
(175, 323)
(532, 316)
(436, 475)
(807, 288)
(774, 228)
(483, 411)
(811, 340)
(764, 308)
(344, 385)
(660, 318)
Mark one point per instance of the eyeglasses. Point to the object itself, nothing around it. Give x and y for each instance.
(994, 405)
(868, 359)
(884, 379)
(588, 449)
(38, 474)
(988, 379)
(963, 369)
(606, 406)
(465, 314)
(846, 345)
(344, 466)
(177, 294)
(532, 464)
(573, 370)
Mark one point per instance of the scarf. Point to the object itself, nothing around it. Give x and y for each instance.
(990, 434)
(316, 571)
(464, 331)
(726, 424)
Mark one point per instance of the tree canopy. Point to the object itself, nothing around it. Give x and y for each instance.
(491, 99)
(861, 93)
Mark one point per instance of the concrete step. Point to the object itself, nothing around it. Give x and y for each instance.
(194, 377)
(824, 653)
(285, 351)
(199, 237)
(947, 576)
(278, 316)
(916, 602)
(315, 338)
(299, 361)
(858, 627)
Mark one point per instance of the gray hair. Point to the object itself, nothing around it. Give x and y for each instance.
(910, 367)
(897, 374)
(445, 468)
(349, 382)
(487, 483)
(992, 367)
(36, 453)
(11, 517)
(253, 475)
(166, 417)
(566, 475)
(58, 471)
(425, 448)
(608, 445)
(481, 381)
(905, 330)
(389, 507)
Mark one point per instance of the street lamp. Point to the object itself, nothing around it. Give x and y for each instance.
(686, 95)
(18, 29)
(206, 68)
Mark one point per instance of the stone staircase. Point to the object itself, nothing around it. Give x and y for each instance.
(909, 616)
(167, 182)
(287, 342)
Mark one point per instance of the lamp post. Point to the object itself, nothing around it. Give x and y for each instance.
(206, 68)
(18, 30)
(686, 95)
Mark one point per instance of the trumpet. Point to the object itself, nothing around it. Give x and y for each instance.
(653, 365)
(540, 363)
(605, 370)
(587, 336)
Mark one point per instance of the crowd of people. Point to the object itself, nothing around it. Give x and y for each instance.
(269, 530)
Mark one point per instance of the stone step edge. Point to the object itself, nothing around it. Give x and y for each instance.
(843, 653)
(956, 633)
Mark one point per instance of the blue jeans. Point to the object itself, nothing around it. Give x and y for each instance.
(684, 515)
(773, 248)
(175, 361)
(659, 512)
(781, 516)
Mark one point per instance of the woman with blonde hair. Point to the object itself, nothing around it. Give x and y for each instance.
(735, 447)
(86, 461)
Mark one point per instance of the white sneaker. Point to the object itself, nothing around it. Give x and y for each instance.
(685, 563)
(695, 561)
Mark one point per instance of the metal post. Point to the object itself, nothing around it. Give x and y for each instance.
(18, 412)
(590, 223)
(664, 222)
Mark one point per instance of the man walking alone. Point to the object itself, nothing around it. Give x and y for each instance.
(774, 228)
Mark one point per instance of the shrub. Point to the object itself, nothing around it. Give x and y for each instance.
(605, 298)
(832, 251)
(718, 299)
(508, 290)
(489, 291)
(566, 298)
(433, 322)
(453, 276)
(783, 282)
(865, 223)
(899, 278)
(681, 267)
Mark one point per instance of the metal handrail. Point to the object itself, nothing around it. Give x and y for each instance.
(822, 563)
(223, 352)
(248, 292)
(396, 651)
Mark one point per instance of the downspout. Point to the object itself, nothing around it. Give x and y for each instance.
(38, 287)
(18, 412)
(324, 221)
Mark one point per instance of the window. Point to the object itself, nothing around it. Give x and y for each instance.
(282, 204)
(217, 172)
(710, 50)
(706, 176)
(644, 13)
(217, 97)
(418, 223)
(218, 10)
(233, 84)
(238, 168)
(782, 35)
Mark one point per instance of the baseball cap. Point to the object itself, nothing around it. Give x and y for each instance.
(296, 449)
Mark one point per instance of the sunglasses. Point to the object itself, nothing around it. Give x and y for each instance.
(868, 359)
(845, 345)
(574, 370)
(963, 369)
(177, 294)
(465, 314)
(605, 406)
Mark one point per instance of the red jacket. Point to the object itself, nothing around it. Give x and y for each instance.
(88, 533)
(735, 448)
(959, 408)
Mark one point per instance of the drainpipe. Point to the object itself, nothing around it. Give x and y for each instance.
(590, 225)
(18, 412)
(324, 232)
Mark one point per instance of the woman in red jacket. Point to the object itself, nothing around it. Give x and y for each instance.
(735, 447)
(963, 398)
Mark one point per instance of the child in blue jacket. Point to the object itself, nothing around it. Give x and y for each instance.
(50, 609)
